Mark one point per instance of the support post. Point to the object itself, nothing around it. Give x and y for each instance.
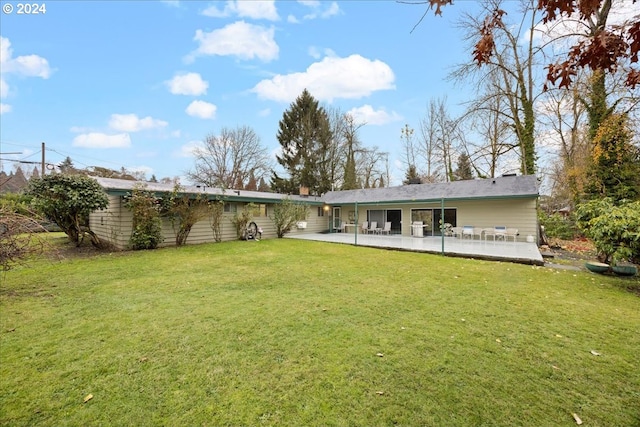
(442, 222)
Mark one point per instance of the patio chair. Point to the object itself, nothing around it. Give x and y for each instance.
(456, 231)
(511, 232)
(373, 227)
(477, 231)
(467, 231)
(340, 228)
(365, 227)
(386, 229)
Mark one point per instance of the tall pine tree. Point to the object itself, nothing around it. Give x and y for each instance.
(305, 136)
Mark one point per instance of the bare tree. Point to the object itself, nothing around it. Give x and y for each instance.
(429, 143)
(228, 160)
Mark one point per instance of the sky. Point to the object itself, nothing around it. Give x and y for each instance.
(140, 84)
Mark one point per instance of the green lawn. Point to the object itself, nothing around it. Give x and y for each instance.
(288, 332)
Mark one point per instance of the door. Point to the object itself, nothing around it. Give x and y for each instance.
(337, 218)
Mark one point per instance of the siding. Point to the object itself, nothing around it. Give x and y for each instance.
(486, 213)
(115, 223)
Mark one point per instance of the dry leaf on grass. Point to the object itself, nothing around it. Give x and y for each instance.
(498, 340)
(595, 353)
(379, 393)
(88, 398)
(380, 354)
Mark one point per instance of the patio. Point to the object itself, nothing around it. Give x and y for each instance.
(520, 252)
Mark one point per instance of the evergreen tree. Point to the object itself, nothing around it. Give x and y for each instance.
(411, 177)
(305, 137)
(350, 178)
(153, 178)
(262, 186)
(615, 164)
(464, 170)
(66, 166)
(252, 184)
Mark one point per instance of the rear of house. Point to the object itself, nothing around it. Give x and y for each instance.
(508, 201)
(114, 224)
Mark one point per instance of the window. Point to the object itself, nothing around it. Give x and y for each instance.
(230, 208)
(320, 211)
(260, 209)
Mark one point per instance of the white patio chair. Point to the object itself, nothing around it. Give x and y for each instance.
(511, 232)
(365, 227)
(387, 228)
(373, 227)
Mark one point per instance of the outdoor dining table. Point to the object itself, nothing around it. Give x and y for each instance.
(348, 226)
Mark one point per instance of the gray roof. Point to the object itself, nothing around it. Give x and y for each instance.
(492, 188)
(123, 186)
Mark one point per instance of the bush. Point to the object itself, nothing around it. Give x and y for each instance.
(614, 229)
(555, 225)
(147, 225)
(286, 214)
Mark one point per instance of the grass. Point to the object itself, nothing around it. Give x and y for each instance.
(287, 332)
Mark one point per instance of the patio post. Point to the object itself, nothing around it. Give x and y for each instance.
(442, 222)
(355, 232)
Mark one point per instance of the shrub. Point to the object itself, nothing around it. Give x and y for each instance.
(555, 225)
(286, 214)
(614, 229)
(147, 225)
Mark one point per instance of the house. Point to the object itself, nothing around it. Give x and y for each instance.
(508, 201)
(114, 224)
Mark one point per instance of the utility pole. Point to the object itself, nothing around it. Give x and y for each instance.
(42, 164)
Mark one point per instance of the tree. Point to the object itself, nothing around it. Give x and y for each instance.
(463, 170)
(227, 160)
(286, 214)
(66, 166)
(68, 200)
(411, 177)
(352, 145)
(507, 74)
(602, 48)
(615, 164)
(184, 211)
(305, 136)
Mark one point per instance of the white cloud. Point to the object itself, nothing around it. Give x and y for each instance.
(201, 109)
(102, 140)
(5, 108)
(264, 9)
(132, 123)
(292, 19)
(187, 84)
(189, 149)
(352, 77)
(366, 114)
(320, 10)
(240, 39)
(27, 66)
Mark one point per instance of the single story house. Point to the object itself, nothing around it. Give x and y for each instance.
(507, 201)
(115, 223)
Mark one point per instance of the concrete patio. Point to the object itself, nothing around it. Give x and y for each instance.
(520, 252)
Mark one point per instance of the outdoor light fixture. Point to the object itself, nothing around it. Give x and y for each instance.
(326, 208)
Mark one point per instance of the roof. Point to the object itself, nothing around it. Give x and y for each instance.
(523, 186)
(123, 186)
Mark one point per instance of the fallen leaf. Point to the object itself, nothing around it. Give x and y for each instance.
(595, 353)
(554, 367)
(498, 340)
(144, 359)
(577, 418)
(462, 320)
(558, 336)
(379, 393)
(88, 398)
(380, 354)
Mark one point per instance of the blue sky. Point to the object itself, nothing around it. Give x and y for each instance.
(137, 84)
